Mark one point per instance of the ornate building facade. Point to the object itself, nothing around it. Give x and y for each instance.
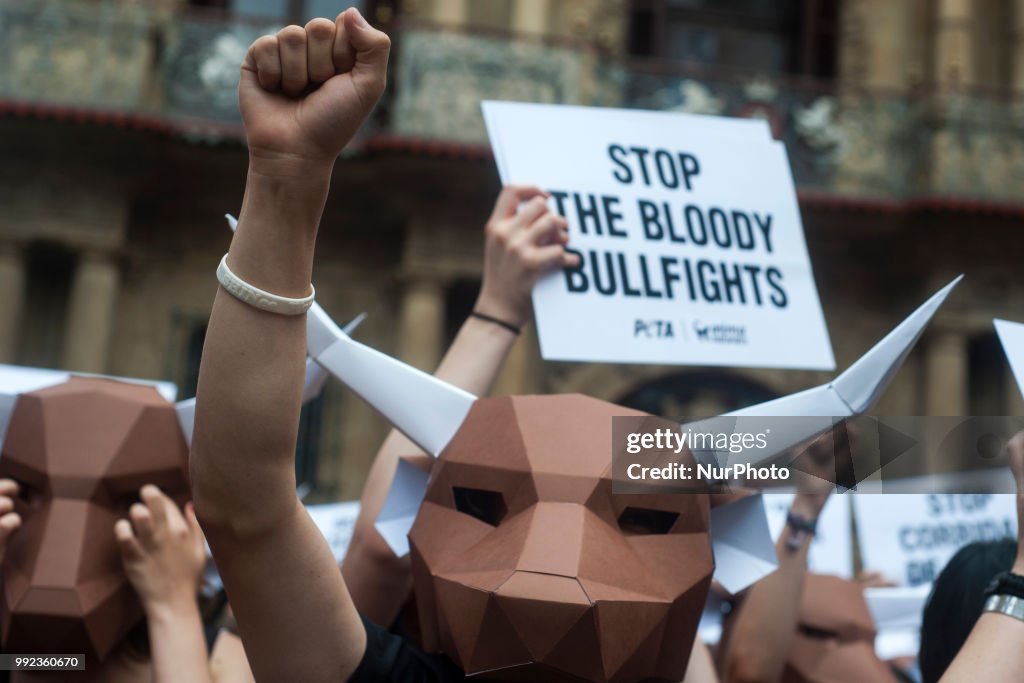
(120, 150)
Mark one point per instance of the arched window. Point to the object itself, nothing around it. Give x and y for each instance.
(697, 393)
(780, 36)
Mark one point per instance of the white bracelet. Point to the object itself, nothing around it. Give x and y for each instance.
(256, 297)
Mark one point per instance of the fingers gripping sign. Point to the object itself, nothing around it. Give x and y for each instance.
(525, 239)
(305, 91)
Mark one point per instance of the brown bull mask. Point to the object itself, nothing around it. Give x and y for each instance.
(80, 451)
(526, 566)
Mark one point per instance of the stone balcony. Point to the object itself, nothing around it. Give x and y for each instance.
(178, 70)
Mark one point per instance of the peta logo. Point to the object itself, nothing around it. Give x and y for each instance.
(720, 333)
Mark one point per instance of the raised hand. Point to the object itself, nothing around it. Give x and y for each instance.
(9, 519)
(162, 550)
(304, 92)
(521, 245)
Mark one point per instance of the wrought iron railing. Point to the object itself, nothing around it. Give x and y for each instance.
(181, 67)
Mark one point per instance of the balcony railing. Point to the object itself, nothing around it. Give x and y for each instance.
(181, 68)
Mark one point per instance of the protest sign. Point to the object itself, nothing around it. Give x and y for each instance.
(910, 538)
(689, 233)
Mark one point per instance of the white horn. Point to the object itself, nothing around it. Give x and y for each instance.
(1011, 336)
(851, 393)
(424, 408)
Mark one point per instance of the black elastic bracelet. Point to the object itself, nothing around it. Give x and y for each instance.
(799, 525)
(496, 321)
(1006, 583)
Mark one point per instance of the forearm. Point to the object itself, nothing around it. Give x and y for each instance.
(250, 380)
(177, 643)
(701, 668)
(379, 581)
(767, 620)
(993, 652)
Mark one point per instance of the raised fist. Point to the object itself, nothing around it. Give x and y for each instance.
(304, 92)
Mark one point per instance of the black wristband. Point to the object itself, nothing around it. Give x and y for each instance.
(1006, 583)
(800, 523)
(495, 321)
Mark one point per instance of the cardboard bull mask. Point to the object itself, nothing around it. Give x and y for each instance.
(835, 642)
(526, 567)
(80, 451)
(80, 448)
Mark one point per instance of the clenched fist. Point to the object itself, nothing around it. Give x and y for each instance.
(304, 92)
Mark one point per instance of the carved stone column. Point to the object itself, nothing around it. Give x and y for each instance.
(531, 16)
(946, 388)
(421, 323)
(91, 309)
(12, 299)
(451, 11)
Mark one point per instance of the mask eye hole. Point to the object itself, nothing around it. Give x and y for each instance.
(646, 521)
(126, 500)
(28, 495)
(487, 506)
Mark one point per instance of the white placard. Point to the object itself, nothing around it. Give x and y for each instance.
(909, 538)
(336, 522)
(832, 548)
(689, 231)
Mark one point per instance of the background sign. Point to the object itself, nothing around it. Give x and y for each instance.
(689, 232)
(910, 538)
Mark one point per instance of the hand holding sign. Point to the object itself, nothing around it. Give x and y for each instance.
(522, 245)
(687, 232)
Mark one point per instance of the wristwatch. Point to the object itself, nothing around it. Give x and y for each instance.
(1010, 605)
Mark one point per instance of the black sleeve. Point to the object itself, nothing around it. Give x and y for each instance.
(389, 658)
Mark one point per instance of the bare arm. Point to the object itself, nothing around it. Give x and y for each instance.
(995, 649)
(303, 94)
(228, 663)
(767, 620)
(163, 555)
(520, 247)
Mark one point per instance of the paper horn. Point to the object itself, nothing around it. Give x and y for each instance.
(1011, 336)
(427, 410)
(851, 393)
